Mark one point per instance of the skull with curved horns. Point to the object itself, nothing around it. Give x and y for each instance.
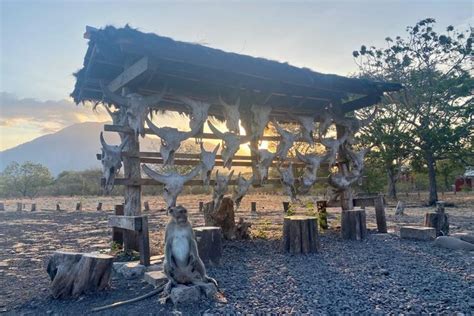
(111, 159)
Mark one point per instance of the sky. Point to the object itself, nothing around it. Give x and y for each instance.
(42, 42)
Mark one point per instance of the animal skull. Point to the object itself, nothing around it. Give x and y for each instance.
(220, 188)
(111, 159)
(119, 117)
(171, 139)
(208, 160)
(307, 128)
(231, 115)
(260, 118)
(199, 113)
(137, 107)
(173, 181)
(309, 177)
(286, 142)
(230, 145)
(352, 124)
(265, 159)
(241, 190)
(332, 147)
(357, 159)
(288, 181)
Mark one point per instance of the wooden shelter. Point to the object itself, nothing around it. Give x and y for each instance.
(127, 60)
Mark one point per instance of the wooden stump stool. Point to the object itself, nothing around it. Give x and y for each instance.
(209, 241)
(353, 225)
(300, 234)
(73, 274)
(438, 220)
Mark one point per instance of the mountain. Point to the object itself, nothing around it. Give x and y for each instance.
(72, 148)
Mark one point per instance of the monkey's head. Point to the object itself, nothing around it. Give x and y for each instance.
(179, 214)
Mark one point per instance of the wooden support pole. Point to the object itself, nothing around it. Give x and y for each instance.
(347, 202)
(380, 214)
(353, 224)
(117, 233)
(79, 206)
(323, 215)
(99, 206)
(253, 207)
(144, 242)
(201, 206)
(286, 206)
(33, 207)
(19, 207)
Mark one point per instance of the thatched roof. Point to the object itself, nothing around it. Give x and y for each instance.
(205, 73)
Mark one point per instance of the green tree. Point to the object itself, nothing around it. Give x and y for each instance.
(435, 70)
(25, 180)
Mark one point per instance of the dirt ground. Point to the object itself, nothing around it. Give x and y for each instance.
(28, 238)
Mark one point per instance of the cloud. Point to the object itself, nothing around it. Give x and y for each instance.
(44, 116)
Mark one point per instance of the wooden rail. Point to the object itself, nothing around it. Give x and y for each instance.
(148, 181)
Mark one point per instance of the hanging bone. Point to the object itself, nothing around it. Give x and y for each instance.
(230, 145)
(286, 142)
(288, 181)
(332, 147)
(357, 160)
(119, 116)
(171, 139)
(240, 190)
(137, 107)
(353, 124)
(309, 177)
(325, 120)
(264, 161)
(307, 128)
(111, 159)
(173, 181)
(260, 118)
(231, 115)
(221, 186)
(208, 160)
(198, 113)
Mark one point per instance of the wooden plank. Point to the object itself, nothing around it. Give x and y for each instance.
(364, 201)
(131, 73)
(133, 223)
(127, 130)
(147, 181)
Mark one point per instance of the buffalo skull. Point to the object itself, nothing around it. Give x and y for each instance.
(231, 115)
(230, 144)
(208, 160)
(240, 190)
(220, 188)
(111, 159)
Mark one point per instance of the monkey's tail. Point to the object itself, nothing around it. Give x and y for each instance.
(156, 291)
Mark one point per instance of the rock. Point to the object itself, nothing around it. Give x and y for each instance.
(155, 278)
(465, 237)
(154, 267)
(132, 270)
(185, 294)
(116, 266)
(453, 243)
(417, 233)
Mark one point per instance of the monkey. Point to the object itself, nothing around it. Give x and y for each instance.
(182, 264)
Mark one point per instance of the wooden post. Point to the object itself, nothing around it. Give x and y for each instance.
(323, 215)
(33, 207)
(380, 214)
(79, 206)
(117, 233)
(19, 207)
(58, 208)
(253, 207)
(438, 220)
(209, 241)
(146, 206)
(286, 206)
(2, 207)
(144, 243)
(300, 234)
(347, 202)
(99, 206)
(353, 224)
(201, 206)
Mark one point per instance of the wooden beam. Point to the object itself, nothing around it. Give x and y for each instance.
(126, 222)
(360, 103)
(147, 181)
(136, 70)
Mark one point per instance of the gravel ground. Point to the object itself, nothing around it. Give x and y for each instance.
(381, 274)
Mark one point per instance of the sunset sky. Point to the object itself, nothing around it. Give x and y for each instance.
(42, 42)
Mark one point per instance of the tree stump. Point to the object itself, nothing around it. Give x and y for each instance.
(201, 206)
(209, 241)
(286, 206)
(439, 220)
(224, 217)
(353, 224)
(253, 207)
(146, 205)
(300, 234)
(58, 208)
(380, 215)
(73, 274)
(33, 207)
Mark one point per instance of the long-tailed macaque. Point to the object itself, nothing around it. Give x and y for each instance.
(182, 264)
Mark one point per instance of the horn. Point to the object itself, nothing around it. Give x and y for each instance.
(202, 147)
(300, 156)
(122, 145)
(216, 149)
(106, 146)
(154, 128)
(230, 175)
(154, 175)
(119, 100)
(215, 130)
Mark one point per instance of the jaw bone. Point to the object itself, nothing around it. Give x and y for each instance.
(265, 159)
(241, 190)
(286, 142)
(288, 181)
(137, 107)
(260, 118)
(171, 139)
(111, 162)
(174, 182)
(231, 115)
(208, 160)
(231, 144)
(220, 188)
(198, 113)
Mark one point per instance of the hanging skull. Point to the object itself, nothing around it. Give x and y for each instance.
(136, 107)
(325, 120)
(260, 118)
(231, 115)
(230, 145)
(353, 124)
(171, 139)
(357, 160)
(332, 147)
(309, 177)
(286, 142)
(307, 128)
(198, 115)
(288, 181)
(111, 159)
(173, 181)
(264, 161)
(240, 190)
(220, 188)
(208, 160)
(119, 117)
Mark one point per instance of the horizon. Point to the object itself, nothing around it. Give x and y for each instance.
(33, 45)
